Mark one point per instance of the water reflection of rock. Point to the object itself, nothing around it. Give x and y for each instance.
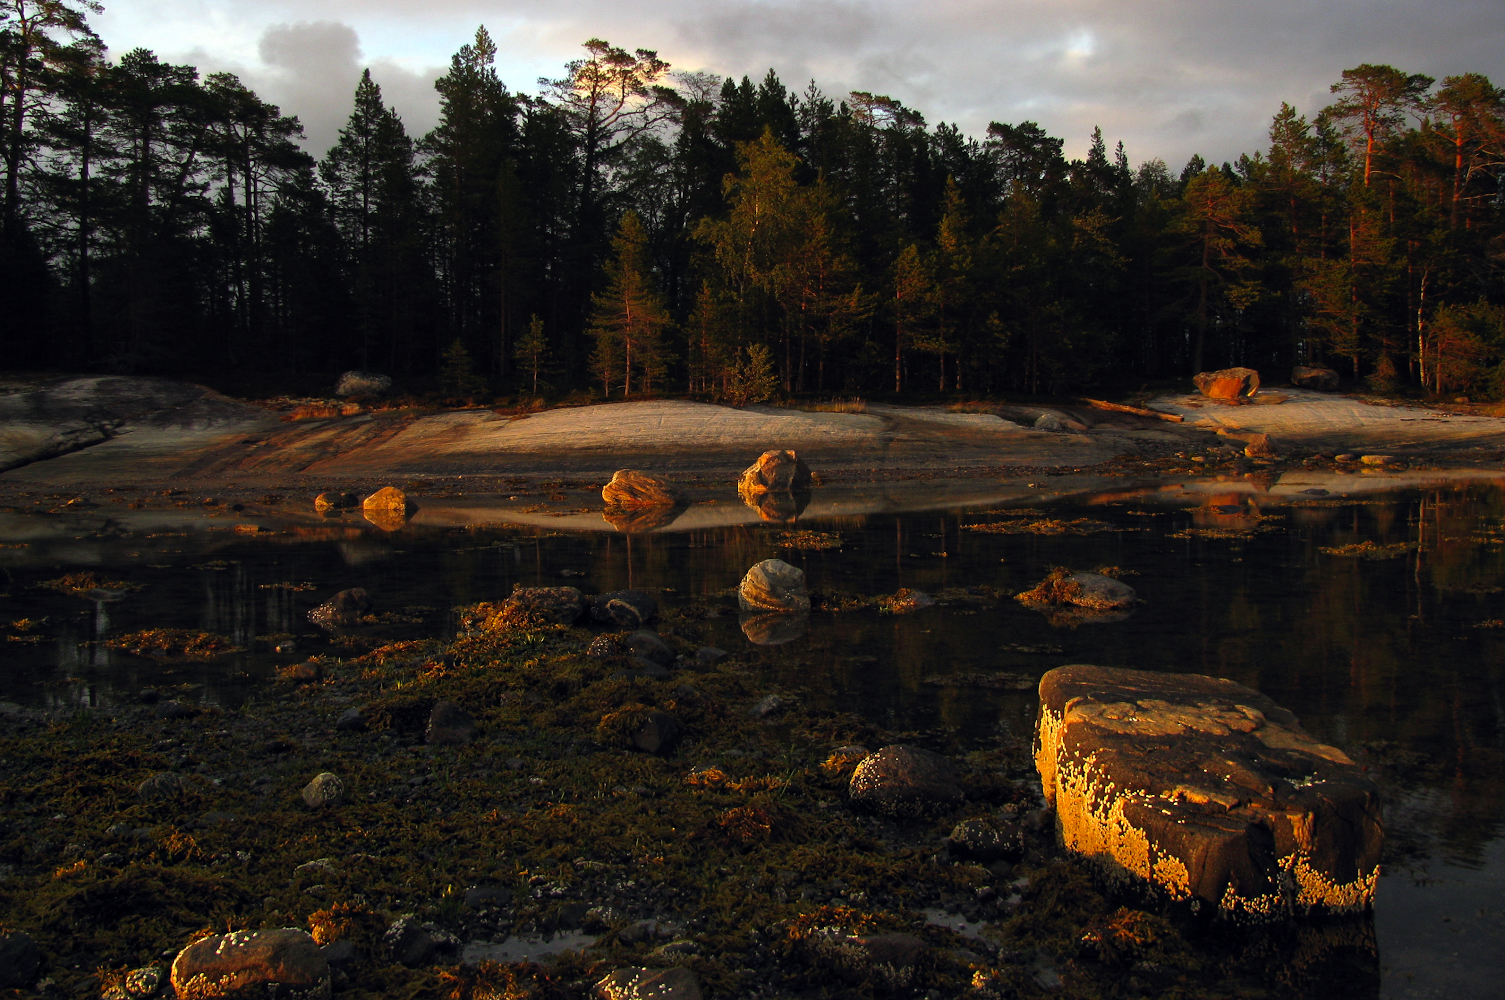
(778, 506)
(390, 518)
(633, 520)
(774, 629)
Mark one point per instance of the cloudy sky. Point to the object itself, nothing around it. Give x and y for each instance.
(1168, 77)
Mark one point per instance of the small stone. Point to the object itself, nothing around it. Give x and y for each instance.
(351, 721)
(1345, 457)
(985, 840)
(19, 959)
(449, 725)
(904, 781)
(603, 647)
(774, 585)
(174, 710)
(1376, 459)
(144, 982)
(632, 490)
(283, 963)
(554, 604)
(362, 384)
(1259, 446)
(650, 646)
(324, 790)
(623, 608)
(335, 501)
(771, 705)
(677, 983)
(162, 786)
(408, 944)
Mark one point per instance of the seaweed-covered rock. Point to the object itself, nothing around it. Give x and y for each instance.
(555, 604)
(449, 725)
(362, 384)
(1228, 383)
(137, 984)
(345, 608)
(162, 786)
(774, 585)
(623, 608)
(19, 959)
(650, 646)
(407, 943)
(986, 840)
(323, 791)
(904, 601)
(888, 960)
(283, 963)
(677, 983)
(1086, 590)
(775, 472)
(904, 781)
(1198, 788)
(1311, 377)
(603, 647)
(632, 489)
(639, 728)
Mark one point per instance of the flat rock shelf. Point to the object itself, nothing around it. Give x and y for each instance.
(1206, 791)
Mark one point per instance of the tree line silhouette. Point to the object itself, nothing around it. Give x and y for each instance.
(627, 229)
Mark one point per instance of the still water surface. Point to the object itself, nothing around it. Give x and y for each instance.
(1397, 660)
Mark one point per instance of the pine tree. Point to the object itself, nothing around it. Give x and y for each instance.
(457, 372)
(630, 317)
(531, 351)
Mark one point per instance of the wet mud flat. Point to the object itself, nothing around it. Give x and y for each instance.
(735, 852)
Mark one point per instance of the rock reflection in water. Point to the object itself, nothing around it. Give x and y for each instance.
(390, 518)
(774, 629)
(778, 506)
(632, 520)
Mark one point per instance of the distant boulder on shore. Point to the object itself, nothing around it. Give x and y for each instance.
(362, 384)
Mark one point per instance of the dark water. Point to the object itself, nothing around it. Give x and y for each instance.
(1393, 659)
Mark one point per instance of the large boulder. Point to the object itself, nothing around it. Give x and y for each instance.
(774, 472)
(1229, 383)
(1309, 377)
(555, 604)
(388, 508)
(362, 384)
(904, 781)
(633, 490)
(774, 585)
(1197, 788)
(283, 963)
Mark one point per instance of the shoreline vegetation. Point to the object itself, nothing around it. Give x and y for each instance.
(733, 240)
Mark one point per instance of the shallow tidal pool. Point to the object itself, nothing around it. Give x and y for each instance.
(1379, 621)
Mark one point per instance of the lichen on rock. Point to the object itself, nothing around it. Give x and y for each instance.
(1203, 790)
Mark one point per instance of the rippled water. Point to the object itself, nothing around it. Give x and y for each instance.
(1396, 659)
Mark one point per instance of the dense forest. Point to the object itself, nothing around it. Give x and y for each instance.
(629, 229)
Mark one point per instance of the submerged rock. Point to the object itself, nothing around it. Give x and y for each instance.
(324, 790)
(632, 489)
(1310, 377)
(449, 725)
(555, 604)
(775, 472)
(19, 959)
(1228, 383)
(1201, 789)
(623, 608)
(904, 781)
(283, 963)
(362, 384)
(774, 585)
(650, 646)
(648, 984)
(345, 608)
